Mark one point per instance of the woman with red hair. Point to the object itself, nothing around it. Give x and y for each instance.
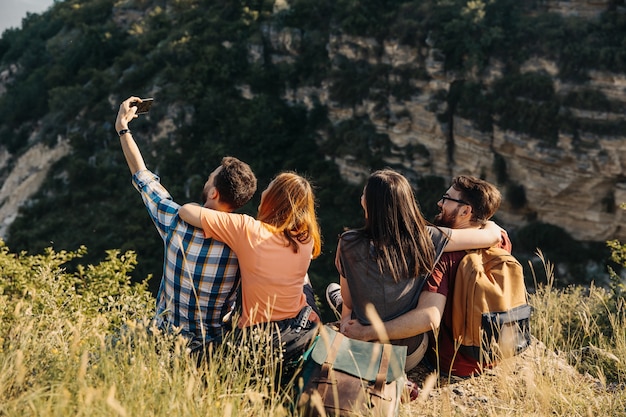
(274, 250)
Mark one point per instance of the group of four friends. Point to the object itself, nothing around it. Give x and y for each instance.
(215, 258)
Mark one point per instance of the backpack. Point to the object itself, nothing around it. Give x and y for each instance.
(348, 377)
(490, 311)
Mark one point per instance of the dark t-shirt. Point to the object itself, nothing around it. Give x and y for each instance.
(442, 282)
(356, 262)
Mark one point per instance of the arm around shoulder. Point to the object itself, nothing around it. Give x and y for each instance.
(462, 239)
(192, 214)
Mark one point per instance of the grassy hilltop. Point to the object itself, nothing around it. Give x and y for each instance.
(77, 344)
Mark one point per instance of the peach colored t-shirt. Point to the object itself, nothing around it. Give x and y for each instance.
(271, 273)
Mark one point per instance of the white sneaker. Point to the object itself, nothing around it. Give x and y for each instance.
(333, 297)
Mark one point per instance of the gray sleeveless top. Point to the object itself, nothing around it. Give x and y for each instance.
(356, 262)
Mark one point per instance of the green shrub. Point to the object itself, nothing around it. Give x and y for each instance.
(358, 138)
(82, 344)
(472, 101)
(500, 168)
(588, 100)
(527, 103)
(618, 256)
(516, 195)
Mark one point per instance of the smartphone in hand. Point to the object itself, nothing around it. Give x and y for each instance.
(144, 106)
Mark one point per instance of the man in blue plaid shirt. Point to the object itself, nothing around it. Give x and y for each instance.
(200, 276)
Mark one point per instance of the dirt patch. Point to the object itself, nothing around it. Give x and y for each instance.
(516, 386)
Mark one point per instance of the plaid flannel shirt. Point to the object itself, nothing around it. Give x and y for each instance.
(200, 275)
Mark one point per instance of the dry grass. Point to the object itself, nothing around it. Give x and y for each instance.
(574, 367)
(62, 353)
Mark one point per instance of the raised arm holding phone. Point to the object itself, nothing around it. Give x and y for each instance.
(200, 275)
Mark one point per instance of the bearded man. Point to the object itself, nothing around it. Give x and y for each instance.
(469, 203)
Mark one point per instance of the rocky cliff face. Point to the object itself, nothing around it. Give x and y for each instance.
(577, 187)
(580, 8)
(28, 173)
(577, 183)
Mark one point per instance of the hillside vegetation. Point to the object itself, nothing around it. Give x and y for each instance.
(209, 65)
(81, 344)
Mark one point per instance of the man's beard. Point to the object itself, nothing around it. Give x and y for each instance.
(446, 220)
(204, 197)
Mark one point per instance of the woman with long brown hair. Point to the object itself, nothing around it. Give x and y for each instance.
(383, 263)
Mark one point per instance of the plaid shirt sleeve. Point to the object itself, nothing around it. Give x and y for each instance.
(162, 209)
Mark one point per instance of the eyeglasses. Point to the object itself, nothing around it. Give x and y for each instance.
(447, 197)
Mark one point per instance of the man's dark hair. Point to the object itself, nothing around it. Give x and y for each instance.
(484, 197)
(235, 182)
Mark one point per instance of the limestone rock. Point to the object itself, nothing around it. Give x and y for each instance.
(26, 177)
